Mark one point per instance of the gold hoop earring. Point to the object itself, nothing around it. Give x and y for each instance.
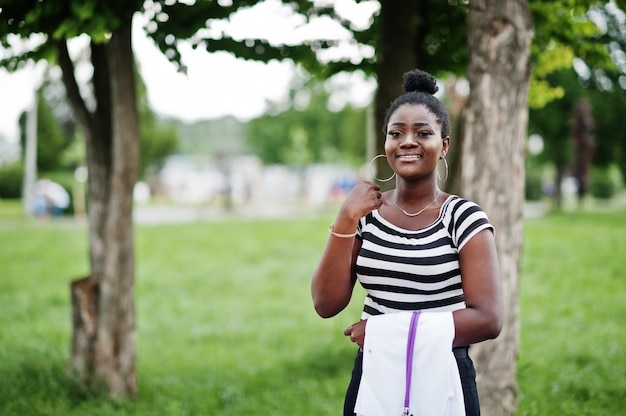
(372, 173)
(439, 176)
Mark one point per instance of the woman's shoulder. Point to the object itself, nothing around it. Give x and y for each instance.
(464, 219)
(457, 202)
(458, 209)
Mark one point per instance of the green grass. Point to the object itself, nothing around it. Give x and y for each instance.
(224, 318)
(11, 210)
(573, 308)
(225, 324)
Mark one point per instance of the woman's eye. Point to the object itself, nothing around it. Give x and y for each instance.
(394, 133)
(423, 133)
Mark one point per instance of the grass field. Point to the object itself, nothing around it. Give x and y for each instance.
(573, 309)
(225, 324)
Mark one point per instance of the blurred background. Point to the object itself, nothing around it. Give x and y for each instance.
(253, 121)
(221, 131)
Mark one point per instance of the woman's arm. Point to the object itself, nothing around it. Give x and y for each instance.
(334, 278)
(480, 275)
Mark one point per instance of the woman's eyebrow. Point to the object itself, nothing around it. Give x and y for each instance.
(422, 124)
(416, 124)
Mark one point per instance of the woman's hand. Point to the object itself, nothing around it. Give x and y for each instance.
(362, 199)
(356, 332)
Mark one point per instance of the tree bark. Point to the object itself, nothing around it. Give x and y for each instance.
(397, 54)
(115, 340)
(103, 346)
(499, 38)
(455, 103)
(84, 318)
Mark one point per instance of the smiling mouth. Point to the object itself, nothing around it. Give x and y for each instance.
(409, 157)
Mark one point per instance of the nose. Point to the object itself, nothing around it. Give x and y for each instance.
(410, 139)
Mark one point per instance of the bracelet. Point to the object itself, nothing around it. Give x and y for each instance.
(330, 230)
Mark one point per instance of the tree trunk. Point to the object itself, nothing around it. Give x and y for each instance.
(455, 103)
(30, 158)
(84, 318)
(103, 346)
(115, 343)
(499, 38)
(397, 55)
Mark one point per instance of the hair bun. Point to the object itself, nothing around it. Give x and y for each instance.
(420, 81)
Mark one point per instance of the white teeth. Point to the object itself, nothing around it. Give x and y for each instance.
(410, 157)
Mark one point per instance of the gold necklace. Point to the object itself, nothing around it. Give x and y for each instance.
(393, 199)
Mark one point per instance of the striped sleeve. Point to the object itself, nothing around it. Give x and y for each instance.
(359, 228)
(468, 219)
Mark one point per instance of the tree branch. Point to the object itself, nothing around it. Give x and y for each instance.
(71, 86)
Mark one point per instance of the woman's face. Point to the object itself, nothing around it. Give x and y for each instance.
(414, 144)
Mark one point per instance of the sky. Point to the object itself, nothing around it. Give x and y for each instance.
(216, 84)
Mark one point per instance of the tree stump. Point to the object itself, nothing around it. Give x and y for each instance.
(84, 319)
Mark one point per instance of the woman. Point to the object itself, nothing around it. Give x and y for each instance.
(457, 272)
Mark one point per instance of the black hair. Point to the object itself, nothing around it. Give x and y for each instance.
(419, 88)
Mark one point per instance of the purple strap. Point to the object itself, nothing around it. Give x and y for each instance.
(409, 359)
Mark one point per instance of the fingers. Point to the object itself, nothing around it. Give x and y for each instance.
(356, 332)
(354, 339)
(347, 331)
(362, 199)
(378, 201)
(375, 194)
(373, 185)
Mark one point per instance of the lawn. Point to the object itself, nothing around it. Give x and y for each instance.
(573, 309)
(225, 324)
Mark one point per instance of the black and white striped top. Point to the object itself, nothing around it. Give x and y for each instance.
(404, 270)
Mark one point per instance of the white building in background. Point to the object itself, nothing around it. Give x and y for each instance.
(200, 181)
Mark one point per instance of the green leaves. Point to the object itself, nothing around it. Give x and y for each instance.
(564, 31)
(58, 20)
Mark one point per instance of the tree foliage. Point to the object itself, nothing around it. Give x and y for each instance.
(312, 134)
(58, 139)
(52, 136)
(598, 77)
(562, 32)
(553, 123)
(56, 20)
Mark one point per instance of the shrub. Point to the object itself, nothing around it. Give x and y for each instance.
(11, 179)
(533, 189)
(604, 182)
